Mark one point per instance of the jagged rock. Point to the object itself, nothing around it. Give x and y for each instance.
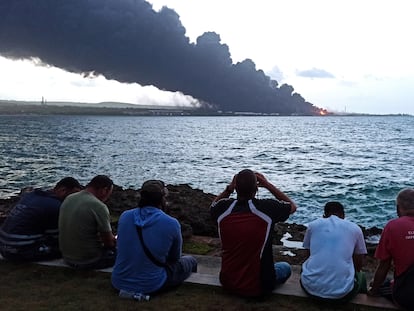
(190, 206)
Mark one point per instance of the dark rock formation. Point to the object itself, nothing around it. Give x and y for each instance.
(190, 206)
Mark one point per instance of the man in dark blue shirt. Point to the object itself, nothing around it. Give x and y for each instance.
(30, 232)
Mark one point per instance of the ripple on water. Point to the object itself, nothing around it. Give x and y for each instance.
(360, 161)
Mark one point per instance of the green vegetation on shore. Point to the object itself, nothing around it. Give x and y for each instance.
(8, 107)
(110, 109)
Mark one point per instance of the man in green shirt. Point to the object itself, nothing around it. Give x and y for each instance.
(85, 235)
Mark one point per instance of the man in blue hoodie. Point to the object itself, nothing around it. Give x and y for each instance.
(149, 246)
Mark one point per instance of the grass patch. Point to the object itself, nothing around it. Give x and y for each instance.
(34, 287)
(196, 248)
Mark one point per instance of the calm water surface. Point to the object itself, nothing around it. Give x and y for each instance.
(361, 161)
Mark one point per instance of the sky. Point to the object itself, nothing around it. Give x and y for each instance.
(343, 56)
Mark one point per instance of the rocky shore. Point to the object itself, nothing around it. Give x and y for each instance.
(191, 207)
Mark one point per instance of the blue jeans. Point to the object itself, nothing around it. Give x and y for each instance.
(283, 271)
(179, 271)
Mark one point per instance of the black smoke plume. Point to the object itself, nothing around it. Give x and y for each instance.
(128, 41)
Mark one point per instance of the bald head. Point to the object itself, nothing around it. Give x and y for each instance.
(405, 201)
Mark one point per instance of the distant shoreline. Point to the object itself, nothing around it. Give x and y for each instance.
(10, 108)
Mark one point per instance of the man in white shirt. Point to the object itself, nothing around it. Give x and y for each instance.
(336, 255)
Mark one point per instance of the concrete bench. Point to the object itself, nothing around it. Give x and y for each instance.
(292, 288)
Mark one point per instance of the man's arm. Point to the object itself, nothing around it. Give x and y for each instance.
(359, 261)
(379, 277)
(228, 191)
(175, 251)
(263, 182)
(108, 239)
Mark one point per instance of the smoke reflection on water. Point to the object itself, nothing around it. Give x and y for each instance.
(361, 161)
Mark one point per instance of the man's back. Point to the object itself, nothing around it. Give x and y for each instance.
(133, 270)
(329, 271)
(82, 217)
(36, 212)
(397, 246)
(397, 242)
(30, 232)
(245, 229)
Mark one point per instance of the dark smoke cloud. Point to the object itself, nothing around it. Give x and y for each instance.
(128, 41)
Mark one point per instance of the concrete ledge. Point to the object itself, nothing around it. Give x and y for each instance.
(292, 288)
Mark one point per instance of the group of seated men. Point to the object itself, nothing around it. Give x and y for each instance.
(73, 222)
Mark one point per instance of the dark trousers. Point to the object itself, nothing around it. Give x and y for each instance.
(38, 251)
(178, 272)
(360, 286)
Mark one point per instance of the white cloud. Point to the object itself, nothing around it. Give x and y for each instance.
(30, 80)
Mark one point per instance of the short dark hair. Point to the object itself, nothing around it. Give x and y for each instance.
(246, 183)
(100, 182)
(152, 193)
(333, 208)
(68, 183)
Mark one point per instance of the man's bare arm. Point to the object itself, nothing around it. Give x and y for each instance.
(359, 261)
(108, 239)
(380, 276)
(228, 191)
(263, 182)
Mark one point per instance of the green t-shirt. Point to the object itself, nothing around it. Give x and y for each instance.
(81, 218)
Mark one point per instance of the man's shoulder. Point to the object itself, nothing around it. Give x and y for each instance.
(222, 202)
(74, 196)
(39, 194)
(269, 202)
(336, 221)
(272, 206)
(83, 197)
(83, 203)
(351, 224)
(39, 199)
(127, 213)
(393, 223)
(219, 207)
(318, 223)
(400, 220)
(266, 201)
(170, 219)
(397, 224)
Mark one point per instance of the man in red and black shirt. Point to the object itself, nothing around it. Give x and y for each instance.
(245, 228)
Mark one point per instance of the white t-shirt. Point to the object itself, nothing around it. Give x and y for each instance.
(329, 271)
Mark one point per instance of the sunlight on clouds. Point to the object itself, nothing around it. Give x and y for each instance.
(369, 94)
(31, 80)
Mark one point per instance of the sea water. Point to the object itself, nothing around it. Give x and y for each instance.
(361, 161)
